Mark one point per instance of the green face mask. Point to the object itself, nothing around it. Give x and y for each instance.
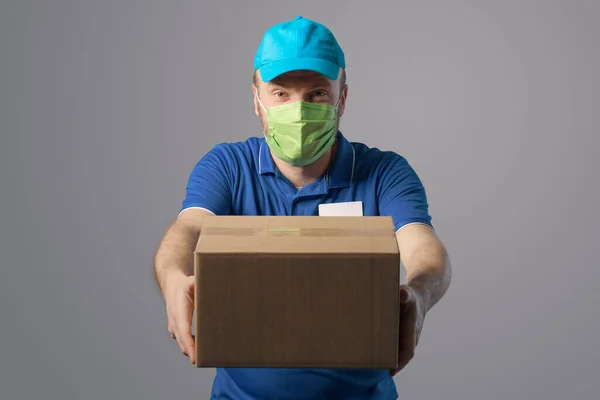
(301, 132)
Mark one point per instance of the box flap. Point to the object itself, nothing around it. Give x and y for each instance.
(297, 234)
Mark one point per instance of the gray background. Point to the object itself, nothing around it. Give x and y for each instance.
(105, 107)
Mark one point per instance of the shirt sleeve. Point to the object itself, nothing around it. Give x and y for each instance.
(401, 193)
(209, 183)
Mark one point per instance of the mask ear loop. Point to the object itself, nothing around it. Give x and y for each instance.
(339, 99)
(259, 102)
(337, 106)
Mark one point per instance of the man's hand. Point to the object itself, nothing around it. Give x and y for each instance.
(412, 315)
(179, 299)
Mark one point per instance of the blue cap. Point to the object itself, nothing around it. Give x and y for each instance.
(299, 44)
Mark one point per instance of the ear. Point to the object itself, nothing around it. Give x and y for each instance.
(342, 106)
(256, 105)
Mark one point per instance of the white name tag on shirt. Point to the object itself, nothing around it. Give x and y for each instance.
(346, 209)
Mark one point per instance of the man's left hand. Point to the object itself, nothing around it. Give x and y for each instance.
(412, 315)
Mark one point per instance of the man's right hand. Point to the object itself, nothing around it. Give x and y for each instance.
(179, 299)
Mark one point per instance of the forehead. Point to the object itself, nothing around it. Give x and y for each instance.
(297, 78)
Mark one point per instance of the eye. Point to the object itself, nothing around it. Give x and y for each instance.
(279, 94)
(320, 93)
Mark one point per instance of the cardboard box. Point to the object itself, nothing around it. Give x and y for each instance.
(297, 292)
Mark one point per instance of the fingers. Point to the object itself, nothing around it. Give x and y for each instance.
(408, 321)
(170, 328)
(179, 315)
(403, 362)
(185, 320)
(170, 323)
(406, 339)
(184, 335)
(174, 332)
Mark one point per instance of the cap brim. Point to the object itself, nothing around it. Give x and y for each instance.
(273, 69)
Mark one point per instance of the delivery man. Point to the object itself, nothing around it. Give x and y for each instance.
(303, 160)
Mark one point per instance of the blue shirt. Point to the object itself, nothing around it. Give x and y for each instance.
(242, 179)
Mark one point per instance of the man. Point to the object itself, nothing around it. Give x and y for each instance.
(301, 161)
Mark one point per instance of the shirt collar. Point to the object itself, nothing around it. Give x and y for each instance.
(266, 165)
(339, 174)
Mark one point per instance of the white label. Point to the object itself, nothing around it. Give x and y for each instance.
(347, 209)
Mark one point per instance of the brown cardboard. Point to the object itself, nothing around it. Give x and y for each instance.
(297, 292)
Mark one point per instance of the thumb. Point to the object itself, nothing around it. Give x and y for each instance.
(189, 283)
(188, 288)
(406, 295)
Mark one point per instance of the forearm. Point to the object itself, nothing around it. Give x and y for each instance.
(429, 272)
(175, 252)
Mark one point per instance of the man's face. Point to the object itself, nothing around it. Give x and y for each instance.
(295, 86)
